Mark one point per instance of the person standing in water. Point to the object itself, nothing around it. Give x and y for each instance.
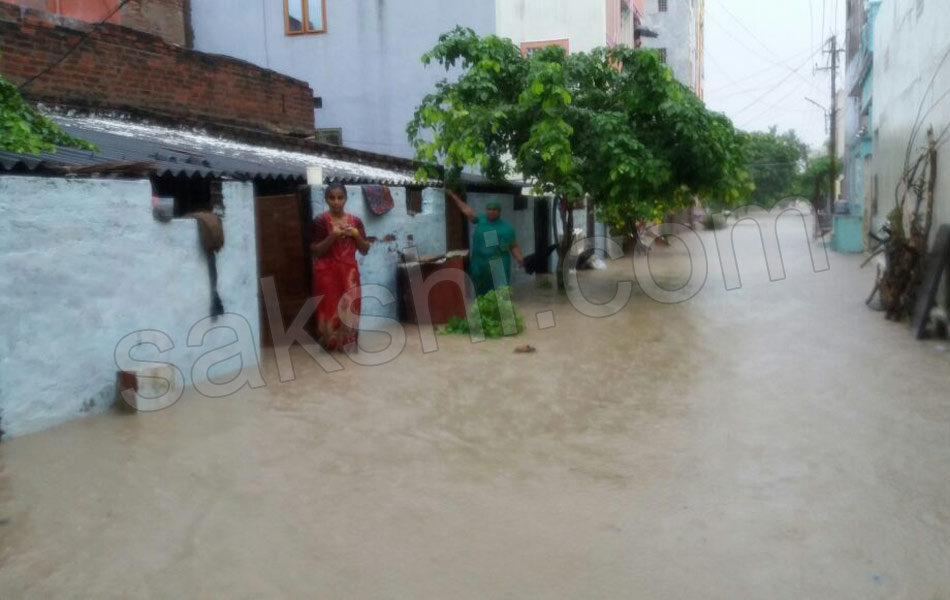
(335, 239)
(493, 240)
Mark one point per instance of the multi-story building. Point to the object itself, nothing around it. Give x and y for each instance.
(679, 25)
(851, 229)
(362, 57)
(577, 26)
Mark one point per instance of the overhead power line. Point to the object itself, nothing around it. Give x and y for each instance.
(777, 62)
(811, 21)
(72, 49)
(768, 107)
(744, 91)
(766, 70)
(824, 6)
(779, 84)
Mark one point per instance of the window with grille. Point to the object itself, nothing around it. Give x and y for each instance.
(662, 5)
(414, 201)
(662, 52)
(305, 16)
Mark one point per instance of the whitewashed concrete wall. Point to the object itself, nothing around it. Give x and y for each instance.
(394, 231)
(679, 33)
(911, 42)
(580, 223)
(84, 264)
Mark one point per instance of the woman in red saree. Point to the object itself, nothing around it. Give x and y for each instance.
(335, 239)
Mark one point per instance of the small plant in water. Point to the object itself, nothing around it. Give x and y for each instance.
(494, 313)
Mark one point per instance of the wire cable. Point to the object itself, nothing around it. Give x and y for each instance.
(919, 119)
(811, 22)
(764, 71)
(767, 107)
(777, 85)
(72, 49)
(756, 38)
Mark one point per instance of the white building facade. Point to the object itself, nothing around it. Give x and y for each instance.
(679, 25)
(578, 26)
(911, 95)
(911, 81)
(362, 57)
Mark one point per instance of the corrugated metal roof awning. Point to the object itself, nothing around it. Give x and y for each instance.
(194, 154)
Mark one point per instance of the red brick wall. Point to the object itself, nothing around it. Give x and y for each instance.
(124, 69)
(164, 18)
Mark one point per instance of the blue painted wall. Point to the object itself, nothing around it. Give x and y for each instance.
(848, 233)
(849, 237)
(394, 231)
(82, 265)
(366, 67)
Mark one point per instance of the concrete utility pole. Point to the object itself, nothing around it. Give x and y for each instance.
(833, 142)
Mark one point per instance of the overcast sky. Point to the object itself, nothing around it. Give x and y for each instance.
(760, 57)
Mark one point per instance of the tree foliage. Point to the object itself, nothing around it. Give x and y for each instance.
(813, 182)
(775, 162)
(24, 130)
(612, 123)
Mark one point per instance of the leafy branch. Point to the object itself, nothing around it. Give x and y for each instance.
(26, 131)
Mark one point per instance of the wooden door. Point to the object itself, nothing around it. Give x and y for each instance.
(283, 252)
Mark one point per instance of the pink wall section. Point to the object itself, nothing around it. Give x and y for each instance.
(613, 21)
(83, 10)
(615, 32)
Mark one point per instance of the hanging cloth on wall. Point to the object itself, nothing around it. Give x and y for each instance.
(378, 198)
(211, 232)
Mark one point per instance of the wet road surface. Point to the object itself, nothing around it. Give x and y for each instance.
(775, 441)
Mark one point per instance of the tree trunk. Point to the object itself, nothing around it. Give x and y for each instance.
(567, 239)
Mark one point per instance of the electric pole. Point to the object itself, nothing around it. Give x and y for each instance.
(833, 142)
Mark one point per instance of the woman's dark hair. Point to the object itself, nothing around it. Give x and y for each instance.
(333, 186)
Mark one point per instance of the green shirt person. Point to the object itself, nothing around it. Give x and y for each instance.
(493, 246)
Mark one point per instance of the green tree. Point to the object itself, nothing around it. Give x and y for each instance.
(775, 162)
(24, 130)
(813, 184)
(612, 124)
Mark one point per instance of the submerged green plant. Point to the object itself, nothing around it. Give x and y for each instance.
(493, 315)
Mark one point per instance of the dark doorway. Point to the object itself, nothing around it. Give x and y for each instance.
(456, 227)
(283, 252)
(542, 230)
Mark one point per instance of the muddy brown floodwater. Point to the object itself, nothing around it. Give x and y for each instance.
(776, 441)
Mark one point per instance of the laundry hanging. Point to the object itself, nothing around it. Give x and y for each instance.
(378, 198)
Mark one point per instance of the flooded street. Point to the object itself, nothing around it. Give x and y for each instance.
(780, 440)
